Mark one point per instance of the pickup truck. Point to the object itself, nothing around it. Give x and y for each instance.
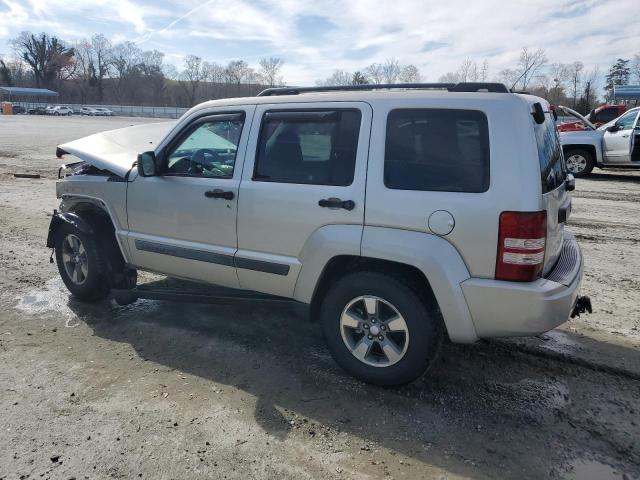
(598, 116)
(613, 145)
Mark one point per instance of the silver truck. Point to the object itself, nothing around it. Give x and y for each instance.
(613, 145)
(401, 214)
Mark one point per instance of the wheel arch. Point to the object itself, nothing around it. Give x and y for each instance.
(429, 260)
(591, 149)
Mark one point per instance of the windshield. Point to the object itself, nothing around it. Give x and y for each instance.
(552, 167)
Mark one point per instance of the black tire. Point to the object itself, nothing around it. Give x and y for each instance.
(95, 285)
(588, 157)
(424, 327)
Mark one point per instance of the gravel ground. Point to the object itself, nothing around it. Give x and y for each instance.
(160, 390)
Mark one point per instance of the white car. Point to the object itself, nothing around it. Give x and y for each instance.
(401, 215)
(613, 145)
(88, 111)
(103, 111)
(60, 110)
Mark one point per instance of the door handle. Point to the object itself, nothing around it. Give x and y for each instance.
(335, 203)
(218, 193)
(625, 136)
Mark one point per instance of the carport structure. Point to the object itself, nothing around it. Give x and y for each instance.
(626, 92)
(27, 96)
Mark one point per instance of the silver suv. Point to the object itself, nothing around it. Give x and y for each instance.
(399, 213)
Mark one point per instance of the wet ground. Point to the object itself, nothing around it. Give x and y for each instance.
(160, 390)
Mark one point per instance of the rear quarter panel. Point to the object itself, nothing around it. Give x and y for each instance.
(514, 179)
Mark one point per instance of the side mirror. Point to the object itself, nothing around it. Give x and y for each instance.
(613, 128)
(147, 164)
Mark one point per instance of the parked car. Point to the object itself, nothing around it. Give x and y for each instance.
(597, 117)
(399, 216)
(60, 110)
(87, 111)
(613, 145)
(103, 111)
(37, 111)
(18, 109)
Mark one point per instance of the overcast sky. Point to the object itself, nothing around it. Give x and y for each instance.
(315, 37)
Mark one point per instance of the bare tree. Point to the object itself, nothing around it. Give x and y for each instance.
(575, 72)
(359, 78)
(484, 71)
(409, 74)
(529, 64)
(464, 72)
(191, 76)
(391, 70)
(12, 72)
(449, 77)
(270, 70)
(339, 77)
(49, 58)
(238, 71)
(374, 73)
(125, 58)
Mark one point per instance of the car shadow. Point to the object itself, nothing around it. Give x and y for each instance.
(618, 176)
(483, 410)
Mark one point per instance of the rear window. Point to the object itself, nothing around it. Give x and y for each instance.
(435, 149)
(552, 168)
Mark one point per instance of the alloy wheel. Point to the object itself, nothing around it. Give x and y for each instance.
(374, 331)
(74, 258)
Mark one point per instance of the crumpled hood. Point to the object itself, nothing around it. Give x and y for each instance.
(116, 150)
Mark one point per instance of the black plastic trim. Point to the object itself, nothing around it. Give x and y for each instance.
(262, 266)
(211, 257)
(58, 219)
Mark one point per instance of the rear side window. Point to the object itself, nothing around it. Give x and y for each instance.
(605, 116)
(552, 168)
(311, 147)
(436, 149)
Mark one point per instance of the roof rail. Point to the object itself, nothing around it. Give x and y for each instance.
(451, 87)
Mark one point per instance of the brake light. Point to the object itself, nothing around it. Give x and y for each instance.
(521, 242)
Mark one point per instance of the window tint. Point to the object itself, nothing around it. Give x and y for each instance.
(606, 115)
(208, 150)
(437, 150)
(627, 120)
(550, 157)
(314, 147)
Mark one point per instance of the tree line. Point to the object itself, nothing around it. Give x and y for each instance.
(560, 83)
(95, 71)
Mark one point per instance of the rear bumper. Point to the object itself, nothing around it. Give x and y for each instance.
(502, 309)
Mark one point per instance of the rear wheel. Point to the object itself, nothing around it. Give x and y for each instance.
(579, 162)
(379, 328)
(80, 264)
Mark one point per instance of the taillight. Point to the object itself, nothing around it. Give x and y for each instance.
(521, 242)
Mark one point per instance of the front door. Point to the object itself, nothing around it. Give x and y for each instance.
(308, 172)
(182, 221)
(616, 145)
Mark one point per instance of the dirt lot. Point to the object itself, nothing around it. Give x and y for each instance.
(159, 390)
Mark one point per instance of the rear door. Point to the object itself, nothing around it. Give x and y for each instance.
(555, 198)
(616, 146)
(308, 171)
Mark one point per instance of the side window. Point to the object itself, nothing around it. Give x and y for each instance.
(208, 149)
(606, 115)
(311, 147)
(550, 157)
(627, 120)
(434, 149)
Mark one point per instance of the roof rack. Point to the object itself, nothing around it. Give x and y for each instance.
(451, 87)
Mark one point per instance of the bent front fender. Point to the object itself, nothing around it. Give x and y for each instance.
(58, 219)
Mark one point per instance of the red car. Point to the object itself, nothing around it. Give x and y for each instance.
(598, 116)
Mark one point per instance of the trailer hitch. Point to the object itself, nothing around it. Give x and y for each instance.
(583, 304)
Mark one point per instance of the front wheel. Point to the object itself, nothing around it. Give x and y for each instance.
(579, 162)
(379, 328)
(81, 265)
